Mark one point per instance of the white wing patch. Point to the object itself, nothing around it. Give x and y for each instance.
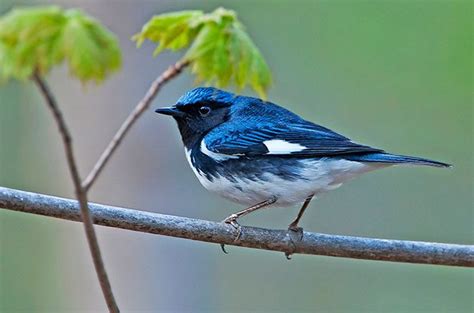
(278, 146)
(214, 155)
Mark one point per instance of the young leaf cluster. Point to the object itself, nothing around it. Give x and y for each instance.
(220, 51)
(37, 38)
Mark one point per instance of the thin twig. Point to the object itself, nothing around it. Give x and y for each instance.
(141, 107)
(251, 237)
(80, 192)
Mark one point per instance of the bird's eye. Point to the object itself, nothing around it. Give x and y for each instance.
(204, 111)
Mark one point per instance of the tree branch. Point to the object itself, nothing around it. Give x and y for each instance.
(252, 237)
(80, 192)
(141, 107)
(81, 188)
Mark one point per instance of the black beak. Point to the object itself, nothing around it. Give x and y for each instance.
(170, 111)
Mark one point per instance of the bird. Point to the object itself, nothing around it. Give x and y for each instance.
(259, 154)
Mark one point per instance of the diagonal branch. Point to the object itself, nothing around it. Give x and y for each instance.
(252, 237)
(80, 192)
(141, 107)
(81, 188)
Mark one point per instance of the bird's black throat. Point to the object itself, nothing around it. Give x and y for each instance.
(189, 136)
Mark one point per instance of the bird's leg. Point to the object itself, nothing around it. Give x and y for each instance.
(296, 233)
(232, 219)
(294, 225)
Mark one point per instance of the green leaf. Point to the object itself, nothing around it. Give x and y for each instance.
(38, 38)
(220, 51)
(171, 31)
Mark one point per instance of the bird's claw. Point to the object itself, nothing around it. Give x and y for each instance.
(223, 248)
(232, 220)
(296, 230)
(295, 235)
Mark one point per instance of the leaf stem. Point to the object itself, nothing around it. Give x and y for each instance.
(141, 107)
(81, 193)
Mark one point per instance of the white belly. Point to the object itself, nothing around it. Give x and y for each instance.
(318, 175)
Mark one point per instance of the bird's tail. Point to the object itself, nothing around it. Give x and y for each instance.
(384, 157)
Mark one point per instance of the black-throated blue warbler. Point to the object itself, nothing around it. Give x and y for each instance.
(257, 153)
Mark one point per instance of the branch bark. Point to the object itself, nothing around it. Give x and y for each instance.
(141, 107)
(81, 193)
(252, 237)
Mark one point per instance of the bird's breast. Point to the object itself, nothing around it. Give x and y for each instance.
(250, 180)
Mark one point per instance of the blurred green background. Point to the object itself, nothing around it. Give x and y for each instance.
(392, 74)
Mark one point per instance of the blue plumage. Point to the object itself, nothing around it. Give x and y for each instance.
(396, 159)
(258, 153)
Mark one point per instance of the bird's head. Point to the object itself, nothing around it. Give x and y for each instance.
(200, 110)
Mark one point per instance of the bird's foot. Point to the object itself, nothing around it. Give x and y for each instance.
(232, 220)
(295, 229)
(295, 235)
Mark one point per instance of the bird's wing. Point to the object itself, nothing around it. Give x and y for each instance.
(303, 139)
